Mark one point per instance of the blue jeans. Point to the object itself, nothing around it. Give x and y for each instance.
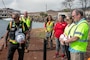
(58, 46)
(48, 34)
(49, 40)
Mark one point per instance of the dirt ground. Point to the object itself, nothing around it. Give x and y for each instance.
(36, 50)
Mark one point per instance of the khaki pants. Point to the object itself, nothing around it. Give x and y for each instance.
(27, 41)
(77, 56)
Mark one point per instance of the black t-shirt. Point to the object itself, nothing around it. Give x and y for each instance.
(17, 24)
(12, 29)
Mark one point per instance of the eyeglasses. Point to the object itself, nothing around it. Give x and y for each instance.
(73, 15)
(67, 19)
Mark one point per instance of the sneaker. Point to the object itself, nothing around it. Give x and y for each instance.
(63, 55)
(63, 58)
(56, 55)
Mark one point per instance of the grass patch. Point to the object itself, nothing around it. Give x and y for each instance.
(40, 34)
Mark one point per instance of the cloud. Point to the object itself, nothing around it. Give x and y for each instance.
(33, 5)
(6, 2)
(13, 5)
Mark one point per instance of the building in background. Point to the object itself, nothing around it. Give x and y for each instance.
(6, 12)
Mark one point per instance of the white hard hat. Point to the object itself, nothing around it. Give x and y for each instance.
(20, 37)
(63, 36)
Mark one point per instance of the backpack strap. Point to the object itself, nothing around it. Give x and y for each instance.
(23, 27)
(22, 23)
(10, 25)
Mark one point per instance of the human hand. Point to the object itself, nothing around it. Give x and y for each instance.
(4, 44)
(62, 42)
(22, 42)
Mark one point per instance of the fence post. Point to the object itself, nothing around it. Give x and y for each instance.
(45, 49)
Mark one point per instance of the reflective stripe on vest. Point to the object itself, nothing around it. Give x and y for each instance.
(70, 29)
(13, 41)
(27, 21)
(23, 27)
(83, 40)
(79, 33)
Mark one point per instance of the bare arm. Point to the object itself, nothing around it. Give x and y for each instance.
(6, 38)
(72, 39)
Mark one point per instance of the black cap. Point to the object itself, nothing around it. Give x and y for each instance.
(63, 16)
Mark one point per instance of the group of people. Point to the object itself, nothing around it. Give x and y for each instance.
(18, 35)
(70, 33)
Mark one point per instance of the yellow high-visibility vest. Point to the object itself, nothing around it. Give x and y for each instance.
(13, 41)
(49, 26)
(27, 21)
(81, 30)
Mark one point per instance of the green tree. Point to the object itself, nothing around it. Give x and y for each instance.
(68, 4)
(84, 4)
(43, 14)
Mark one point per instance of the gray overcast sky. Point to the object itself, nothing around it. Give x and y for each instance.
(32, 5)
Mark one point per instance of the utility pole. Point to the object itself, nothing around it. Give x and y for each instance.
(3, 3)
(46, 7)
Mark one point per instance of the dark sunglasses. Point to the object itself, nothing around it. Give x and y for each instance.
(67, 19)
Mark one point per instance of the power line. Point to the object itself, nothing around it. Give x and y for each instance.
(3, 3)
(46, 7)
(7, 13)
